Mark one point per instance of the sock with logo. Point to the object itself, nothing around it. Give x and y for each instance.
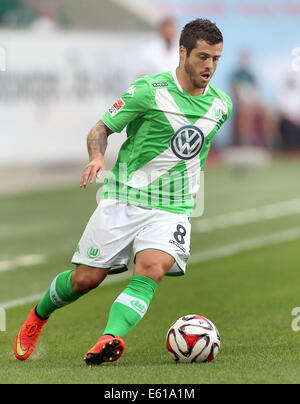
(130, 306)
(60, 293)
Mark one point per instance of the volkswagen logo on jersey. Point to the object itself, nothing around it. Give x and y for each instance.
(187, 142)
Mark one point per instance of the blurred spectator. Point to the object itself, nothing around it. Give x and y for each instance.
(46, 20)
(289, 114)
(251, 118)
(162, 54)
(6, 7)
(15, 14)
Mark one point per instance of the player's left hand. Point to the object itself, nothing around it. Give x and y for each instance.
(92, 170)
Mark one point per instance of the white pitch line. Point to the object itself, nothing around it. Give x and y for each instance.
(22, 261)
(254, 215)
(21, 302)
(33, 298)
(246, 245)
(225, 251)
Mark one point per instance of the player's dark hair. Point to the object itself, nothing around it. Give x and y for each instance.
(199, 29)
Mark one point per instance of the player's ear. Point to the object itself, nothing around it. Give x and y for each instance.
(182, 52)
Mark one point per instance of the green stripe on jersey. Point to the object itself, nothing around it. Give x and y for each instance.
(168, 138)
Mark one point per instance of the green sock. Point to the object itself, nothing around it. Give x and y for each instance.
(60, 293)
(131, 305)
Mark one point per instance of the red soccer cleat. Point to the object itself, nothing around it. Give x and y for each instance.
(107, 349)
(28, 336)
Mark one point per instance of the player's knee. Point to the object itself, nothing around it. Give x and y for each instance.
(83, 284)
(84, 280)
(152, 269)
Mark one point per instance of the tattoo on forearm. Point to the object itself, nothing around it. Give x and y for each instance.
(97, 139)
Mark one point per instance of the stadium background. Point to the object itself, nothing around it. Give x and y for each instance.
(61, 66)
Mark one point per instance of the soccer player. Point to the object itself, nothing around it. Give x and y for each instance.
(171, 119)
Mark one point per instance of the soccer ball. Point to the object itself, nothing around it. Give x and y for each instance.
(193, 338)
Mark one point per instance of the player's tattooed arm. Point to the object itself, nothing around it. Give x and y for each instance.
(96, 144)
(97, 139)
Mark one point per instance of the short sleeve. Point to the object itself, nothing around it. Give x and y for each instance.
(229, 111)
(132, 104)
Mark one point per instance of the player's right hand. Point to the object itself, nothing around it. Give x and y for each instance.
(92, 170)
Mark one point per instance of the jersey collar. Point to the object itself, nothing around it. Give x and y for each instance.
(174, 75)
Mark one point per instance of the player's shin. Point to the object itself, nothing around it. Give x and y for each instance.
(59, 294)
(130, 306)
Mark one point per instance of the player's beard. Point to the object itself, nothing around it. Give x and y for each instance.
(194, 77)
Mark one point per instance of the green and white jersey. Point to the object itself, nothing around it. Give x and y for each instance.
(169, 133)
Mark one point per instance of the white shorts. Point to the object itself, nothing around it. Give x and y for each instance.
(116, 229)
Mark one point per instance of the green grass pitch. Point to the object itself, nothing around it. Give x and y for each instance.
(249, 295)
